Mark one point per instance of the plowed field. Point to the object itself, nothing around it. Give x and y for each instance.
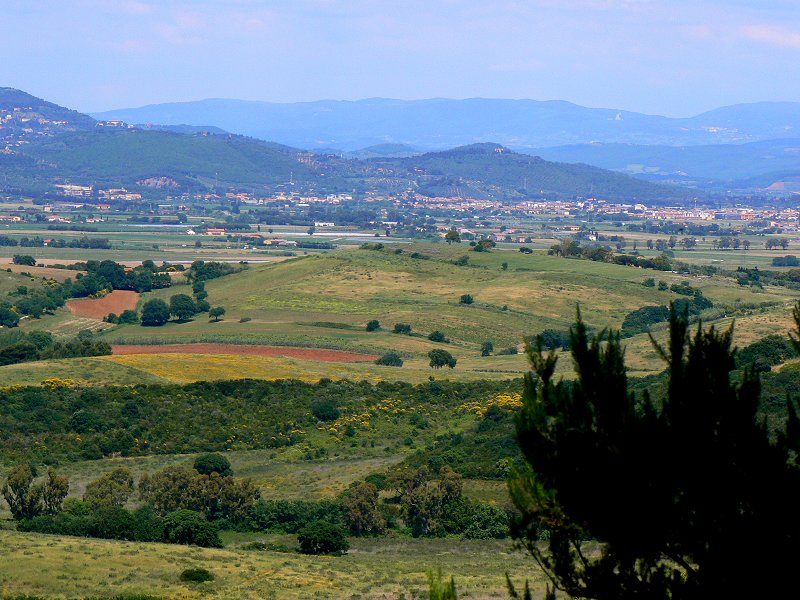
(97, 308)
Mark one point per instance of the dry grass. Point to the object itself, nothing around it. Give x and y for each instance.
(386, 568)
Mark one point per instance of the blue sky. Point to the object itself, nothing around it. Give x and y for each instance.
(673, 57)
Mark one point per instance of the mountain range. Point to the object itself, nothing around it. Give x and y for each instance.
(440, 123)
(45, 143)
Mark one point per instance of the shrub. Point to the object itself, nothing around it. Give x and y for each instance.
(325, 410)
(206, 464)
(373, 325)
(390, 359)
(649, 282)
(508, 351)
(190, 527)
(198, 575)
(466, 299)
(321, 537)
(487, 348)
(403, 328)
(441, 358)
(437, 336)
(662, 286)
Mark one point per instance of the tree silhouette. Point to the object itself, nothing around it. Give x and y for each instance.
(686, 498)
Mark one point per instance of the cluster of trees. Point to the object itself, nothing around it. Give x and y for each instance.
(571, 249)
(156, 312)
(772, 243)
(190, 505)
(640, 320)
(102, 513)
(17, 347)
(37, 242)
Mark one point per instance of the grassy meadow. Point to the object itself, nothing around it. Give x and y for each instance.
(66, 567)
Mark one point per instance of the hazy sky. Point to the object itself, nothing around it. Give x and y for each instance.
(674, 57)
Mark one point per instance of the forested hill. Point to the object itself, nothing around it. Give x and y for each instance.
(490, 170)
(194, 161)
(66, 146)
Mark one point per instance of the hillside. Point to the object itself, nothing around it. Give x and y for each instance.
(127, 156)
(444, 123)
(489, 170)
(24, 117)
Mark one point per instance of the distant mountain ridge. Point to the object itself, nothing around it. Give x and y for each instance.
(720, 165)
(443, 123)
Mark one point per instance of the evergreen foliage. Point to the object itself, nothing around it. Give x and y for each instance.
(691, 498)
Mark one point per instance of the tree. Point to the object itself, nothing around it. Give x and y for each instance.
(437, 336)
(390, 359)
(684, 486)
(452, 236)
(487, 348)
(111, 489)
(128, 316)
(466, 299)
(54, 491)
(155, 313)
(215, 313)
(322, 537)
(24, 498)
(24, 259)
(182, 307)
(441, 358)
(373, 325)
(190, 527)
(360, 509)
(213, 462)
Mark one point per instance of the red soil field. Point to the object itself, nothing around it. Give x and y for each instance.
(97, 308)
(304, 353)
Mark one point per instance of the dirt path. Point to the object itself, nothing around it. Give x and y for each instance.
(97, 308)
(286, 351)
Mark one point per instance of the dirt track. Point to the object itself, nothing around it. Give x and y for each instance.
(97, 308)
(243, 349)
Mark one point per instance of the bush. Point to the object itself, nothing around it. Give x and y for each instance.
(487, 348)
(649, 282)
(373, 325)
(466, 299)
(390, 359)
(197, 575)
(206, 464)
(403, 328)
(553, 338)
(190, 527)
(508, 351)
(325, 410)
(441, 358)
(321, 537)
(437, 336)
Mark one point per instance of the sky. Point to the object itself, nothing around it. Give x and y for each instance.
(669, 57)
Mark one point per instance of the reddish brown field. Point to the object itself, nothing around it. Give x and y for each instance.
(285, 351)
(97, 308)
